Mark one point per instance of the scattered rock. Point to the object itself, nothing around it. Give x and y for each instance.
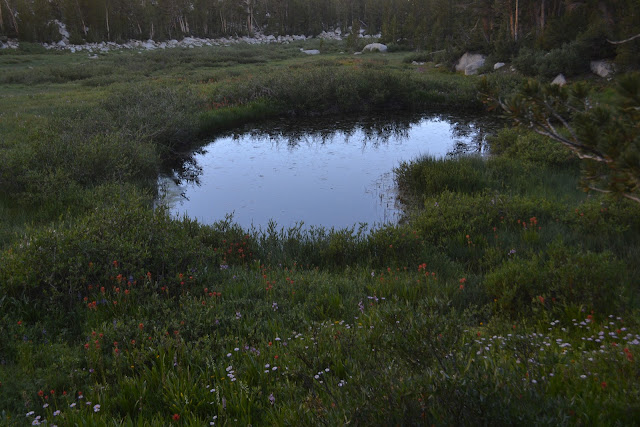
(469, 59)
(498, 65)
(559, 80)
(187, 42)
(375, 47)
(417, 63)
(602, 68)
(310, 51)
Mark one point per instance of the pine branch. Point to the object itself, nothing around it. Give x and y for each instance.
(625, 40)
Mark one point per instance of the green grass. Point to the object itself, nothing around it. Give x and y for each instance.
(506, 295)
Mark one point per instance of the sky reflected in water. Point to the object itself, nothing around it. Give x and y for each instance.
(334, 173)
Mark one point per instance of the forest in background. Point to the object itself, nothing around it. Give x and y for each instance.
(497, 27)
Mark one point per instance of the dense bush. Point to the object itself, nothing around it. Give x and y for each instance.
(561, 276)
(571, 59)
(531, 147)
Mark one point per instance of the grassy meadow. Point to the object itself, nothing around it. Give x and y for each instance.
(506, 295)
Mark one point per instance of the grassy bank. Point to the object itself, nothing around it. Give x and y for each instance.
(506, 295)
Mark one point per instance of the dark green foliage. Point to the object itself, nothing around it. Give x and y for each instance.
(604, 136)
(562, 276)
(571, 59)
(512, 144)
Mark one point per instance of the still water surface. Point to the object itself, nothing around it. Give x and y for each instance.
(334, 172)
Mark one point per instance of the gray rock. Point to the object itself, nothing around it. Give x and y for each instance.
(559, 80)
(602, 68)
(472, 68)
(469, 59)
(373, 47)
(310, 51)
(498, 65)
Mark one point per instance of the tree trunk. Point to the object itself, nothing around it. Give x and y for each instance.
(13, 17)
(106, 17)
(516, 26)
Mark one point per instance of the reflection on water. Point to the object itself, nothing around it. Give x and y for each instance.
(334, 172)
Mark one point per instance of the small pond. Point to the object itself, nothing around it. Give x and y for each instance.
(335, 172)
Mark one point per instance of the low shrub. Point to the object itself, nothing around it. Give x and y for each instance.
(561, 276)
(516, 144)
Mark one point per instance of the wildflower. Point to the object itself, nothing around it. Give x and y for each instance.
(272, 399)
(141, 326)
(30, 413)
(40, 393)
(96, 408)
(56, 413)
(603, 385)
(72, 405)
(175, 417)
